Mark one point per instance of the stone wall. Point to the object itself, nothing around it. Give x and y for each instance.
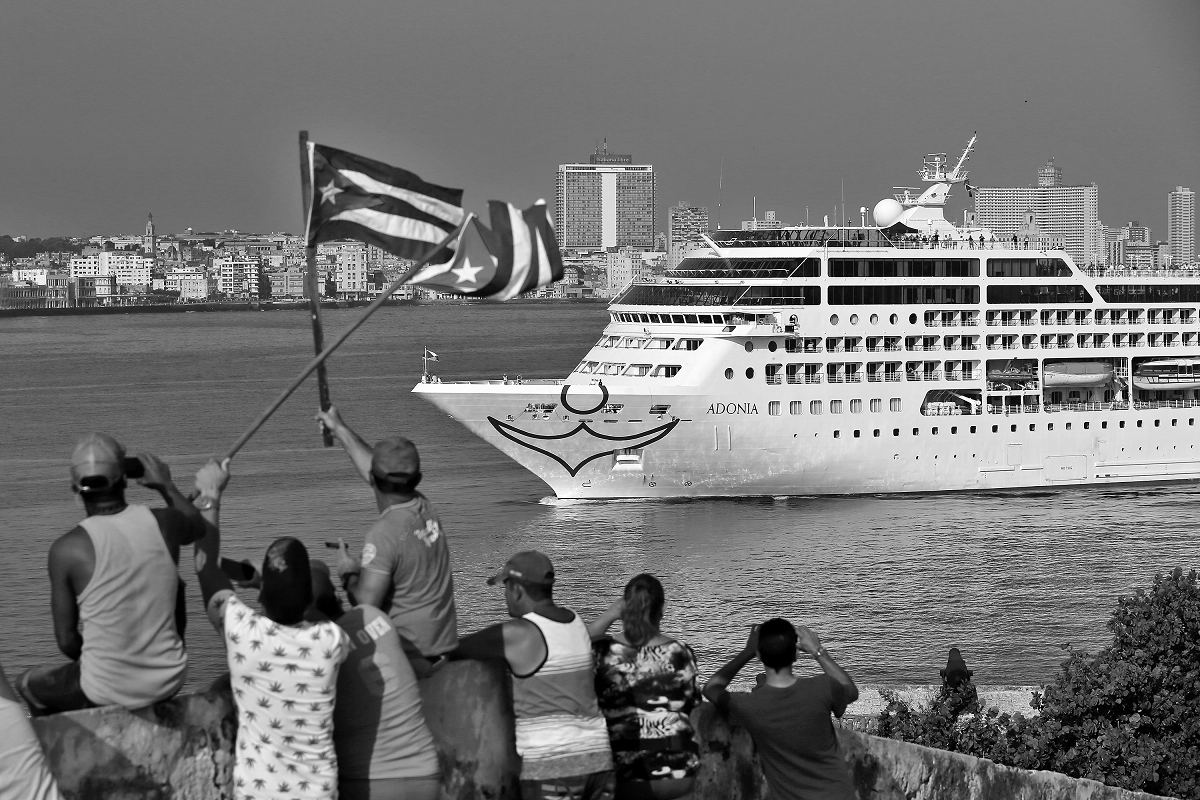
(183, 749)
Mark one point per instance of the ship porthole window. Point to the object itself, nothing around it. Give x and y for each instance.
(749, 372)
(854, 319)
(874, 319)
(729, 374)
(912, 319)
(833, 319)
(749, 347)
(772, 346)
(893, 319)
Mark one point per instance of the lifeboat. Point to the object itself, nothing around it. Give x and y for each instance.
(1077, 373)
(1168, 373)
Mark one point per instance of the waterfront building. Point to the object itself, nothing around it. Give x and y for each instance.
(1071, 212)
(288, 283)
(236, 277)
(1181, 225)
(129, 269)
(687, 225)
(627, 265)
(767, 224)
(607, 202)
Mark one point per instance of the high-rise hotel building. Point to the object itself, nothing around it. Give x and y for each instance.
(1069, 212)
(607, 202)
(1181, 225)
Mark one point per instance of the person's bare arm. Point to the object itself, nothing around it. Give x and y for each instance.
(809, 642)
(211, 481)
(185, 525)
(72, 558)
(358, 450)
(518, 642)
(599, 626)
(715, 688)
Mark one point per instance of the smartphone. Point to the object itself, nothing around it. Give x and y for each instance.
(332, 545)
(241, 571)
(133, 467)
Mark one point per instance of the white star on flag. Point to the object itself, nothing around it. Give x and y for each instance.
(330, 192)
(466, 273)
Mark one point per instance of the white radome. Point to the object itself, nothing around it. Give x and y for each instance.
(886, 212)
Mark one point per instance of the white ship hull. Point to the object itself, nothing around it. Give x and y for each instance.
(706, 454)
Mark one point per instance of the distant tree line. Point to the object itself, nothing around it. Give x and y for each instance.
(32, 247)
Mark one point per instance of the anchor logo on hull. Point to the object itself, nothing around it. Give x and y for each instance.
(548, 443)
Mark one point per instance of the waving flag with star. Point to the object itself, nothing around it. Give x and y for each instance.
(517, 254)
(369, 201)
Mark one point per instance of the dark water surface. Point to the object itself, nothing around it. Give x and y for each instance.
(890, 582)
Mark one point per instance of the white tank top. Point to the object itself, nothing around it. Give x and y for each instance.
(132, 653)
(23, 772)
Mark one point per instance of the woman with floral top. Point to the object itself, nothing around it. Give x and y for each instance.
(646, 686)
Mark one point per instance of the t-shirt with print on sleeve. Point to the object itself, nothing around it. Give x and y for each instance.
(408, 545)
(284, 680)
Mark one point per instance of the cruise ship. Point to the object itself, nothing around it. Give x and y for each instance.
(912, 355)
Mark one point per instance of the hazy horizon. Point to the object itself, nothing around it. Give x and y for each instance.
(191, 112)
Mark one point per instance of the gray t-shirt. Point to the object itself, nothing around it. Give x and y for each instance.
(408, 545)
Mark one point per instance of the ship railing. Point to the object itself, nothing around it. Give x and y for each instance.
(855, 378)
(502, 382)
(954, 376)
(893, 348)
(774, 380)
(1112, 406)
(1142, 272)
(874, 377)
(1148, 404)
(933, 323)
(858, 348)
(970, 323)
(812, 378)
(892, 377)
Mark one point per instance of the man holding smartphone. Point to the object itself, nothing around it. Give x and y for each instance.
(788, 717)
(115, 589)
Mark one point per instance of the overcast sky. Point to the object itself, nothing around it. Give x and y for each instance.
(191, 110)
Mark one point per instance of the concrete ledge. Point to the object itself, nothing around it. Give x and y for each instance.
(182, 749)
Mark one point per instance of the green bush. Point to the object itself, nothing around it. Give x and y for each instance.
(1128, 716)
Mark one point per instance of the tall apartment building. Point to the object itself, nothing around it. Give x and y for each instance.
(1069, 212)
(1181, 225)
(686, 227)
(236, 277)
(608, 202)
(353, 260)
(769, 223)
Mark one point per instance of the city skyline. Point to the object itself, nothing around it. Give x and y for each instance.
(195, 116)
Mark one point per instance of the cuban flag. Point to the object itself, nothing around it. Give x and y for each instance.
(518, 254)
(371, 202)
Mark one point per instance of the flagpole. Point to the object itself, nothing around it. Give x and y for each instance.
(314, 289)
(343, 336)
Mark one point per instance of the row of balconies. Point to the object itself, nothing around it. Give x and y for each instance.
(1063, 341)
(1135, 316)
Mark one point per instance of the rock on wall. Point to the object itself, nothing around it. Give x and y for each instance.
(183, 750)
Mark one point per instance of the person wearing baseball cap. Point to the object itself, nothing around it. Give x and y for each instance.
(561, 735)
(116, 596)
(405, 567)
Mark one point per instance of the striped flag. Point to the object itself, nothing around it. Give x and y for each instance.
(369, 201)
(517, 254)
(430, 355)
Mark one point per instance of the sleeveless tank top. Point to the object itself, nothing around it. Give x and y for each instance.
(23, 771)
(132, 654)
(560, 731)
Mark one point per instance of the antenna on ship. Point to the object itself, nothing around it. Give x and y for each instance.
(720, 186)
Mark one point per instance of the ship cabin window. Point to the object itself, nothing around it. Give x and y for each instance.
(749, 372)
(877, 433)
(995, 429)
(1087, 426)
(609, 341)
(773, 408)
(588, 366)
(793, 345)
(610, 369)
(1012, 429)
(666, 371)
(729, 374)
(1121, 424)
(1139, 423)
(899, 294)
(771, 373)
(916, 431)
(632, 342)
(1150, 293)
(814, 407)
(796, 408)
(638, 370)
(747, 268)
(659, 344)
(1069, 426)
(856, 434)
(876, 406)
(1157, 422)
(895, 404)
(1104, 425)
(903, 268)
(837, 434)
(856, 406)
(1050, 426)
(895, 431)
(1027, 268)
(1040, 294)
(835, 406)
(1032, 428)
(972, 429)
(689, 344)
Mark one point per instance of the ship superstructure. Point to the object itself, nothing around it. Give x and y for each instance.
(908, 356)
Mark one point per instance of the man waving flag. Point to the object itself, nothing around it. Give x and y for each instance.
(518, 254)
(369, 201)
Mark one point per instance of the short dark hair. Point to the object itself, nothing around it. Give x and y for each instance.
(536, 591)
(777, 643)
(397, 482)
(286, 581)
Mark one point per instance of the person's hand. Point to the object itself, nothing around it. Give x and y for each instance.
(212, 478)
(157, 475)
(330, 420)
(752, 640)
(346, 563)
(807, 640)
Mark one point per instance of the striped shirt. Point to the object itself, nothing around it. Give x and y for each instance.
(560, 731)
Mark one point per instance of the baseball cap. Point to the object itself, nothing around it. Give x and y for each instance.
(96, 462)
(529, 566)
(395, 456)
